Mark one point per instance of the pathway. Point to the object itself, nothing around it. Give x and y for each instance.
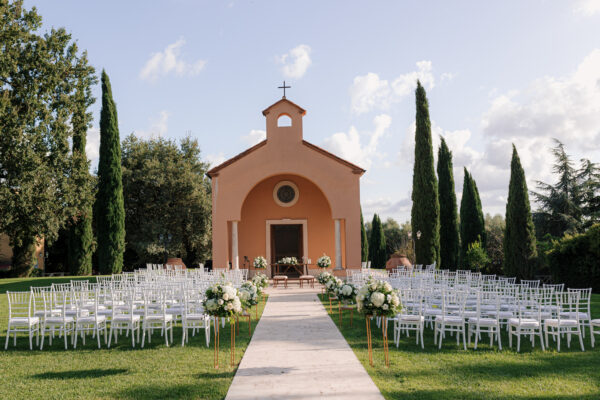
(297, 352)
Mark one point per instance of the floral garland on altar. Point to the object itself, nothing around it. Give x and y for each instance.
(288, 260)
(248, 294)
(347, 292)
(221, 300)
(261, 281)
(260, 262)
(378, 298)
(324, 261)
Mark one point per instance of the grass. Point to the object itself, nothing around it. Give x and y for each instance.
(154, 372)
(485, 373)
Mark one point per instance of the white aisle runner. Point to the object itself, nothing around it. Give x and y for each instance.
(297, 352)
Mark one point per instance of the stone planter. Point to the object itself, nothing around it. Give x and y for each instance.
(175, 261)
(397, 261)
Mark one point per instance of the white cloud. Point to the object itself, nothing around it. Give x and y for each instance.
(587, 8)
(92, 145)
(447, 76)
(370, 92)
(386, 207)
(254, 137)
(158, 126)
(295, 62)
(350, 145)
(168, 61)
(215, 159)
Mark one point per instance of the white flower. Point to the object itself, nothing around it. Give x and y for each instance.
(388, 298)
(377, 298)
(395, 300)
(347, 290)
(385, 306)
(220, 302)
(387, 287)
(211, 305)
(225, 296)
(373, 286)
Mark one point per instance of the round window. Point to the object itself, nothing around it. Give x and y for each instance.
(285, 194)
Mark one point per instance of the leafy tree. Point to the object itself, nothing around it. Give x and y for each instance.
(588, 180)
(520, 251)
(364, 241)
(396, 238)
(39, 76)
(167, 199)
(476, 257)
(449, 232)
(377, 244)
(425, 214)
(494, 232)
(560, 204)
(472, 226)
(80, 234)
(110, 213)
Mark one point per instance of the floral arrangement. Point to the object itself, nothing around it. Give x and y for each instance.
(261, 281)
(260, 262)
(346, 292)
(289, 260)
(324, 261)
(323, 277)
(221, 300)
(333, 284)
(378, 298)
(248, 294)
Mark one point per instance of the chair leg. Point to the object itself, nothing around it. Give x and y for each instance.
(464, 339)
(7, 337)
(581, 341)
(110, 334)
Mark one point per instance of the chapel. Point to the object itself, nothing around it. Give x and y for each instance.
(286, 197)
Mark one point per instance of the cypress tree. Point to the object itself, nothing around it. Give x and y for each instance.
(425, 214)
(472, 225)
(377, 244)
(364, 243)
(449, 232)
(519, 236)
(80, 235)
(110, 212)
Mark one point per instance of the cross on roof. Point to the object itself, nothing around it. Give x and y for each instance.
(283, 87)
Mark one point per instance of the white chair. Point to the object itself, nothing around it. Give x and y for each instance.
(194, 317)
(123, 316)
(594, 324)
(528, 321)
(20, 318)
(155, 316)
(487, 319)
(56, 304)
(582, 308)
(559, 326)
(411, 317)
(452, 318)
(87, 317)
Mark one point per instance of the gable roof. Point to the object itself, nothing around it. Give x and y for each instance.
(355, 168)
(284, 100)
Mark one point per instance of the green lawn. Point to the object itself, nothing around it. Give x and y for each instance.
(485, 373)
(154, 372)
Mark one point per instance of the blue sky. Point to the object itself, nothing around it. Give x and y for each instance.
(496, 73)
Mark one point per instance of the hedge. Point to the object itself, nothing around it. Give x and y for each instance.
(575, 260)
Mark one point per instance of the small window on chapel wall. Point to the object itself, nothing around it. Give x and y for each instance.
(285, 193)
(284, 120)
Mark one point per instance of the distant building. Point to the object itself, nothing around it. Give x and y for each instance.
(286, 197)
(6, 253)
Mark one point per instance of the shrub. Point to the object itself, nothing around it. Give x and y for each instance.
(575, 260)
(476, 257)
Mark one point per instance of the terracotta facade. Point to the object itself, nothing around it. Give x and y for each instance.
(284, 180)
